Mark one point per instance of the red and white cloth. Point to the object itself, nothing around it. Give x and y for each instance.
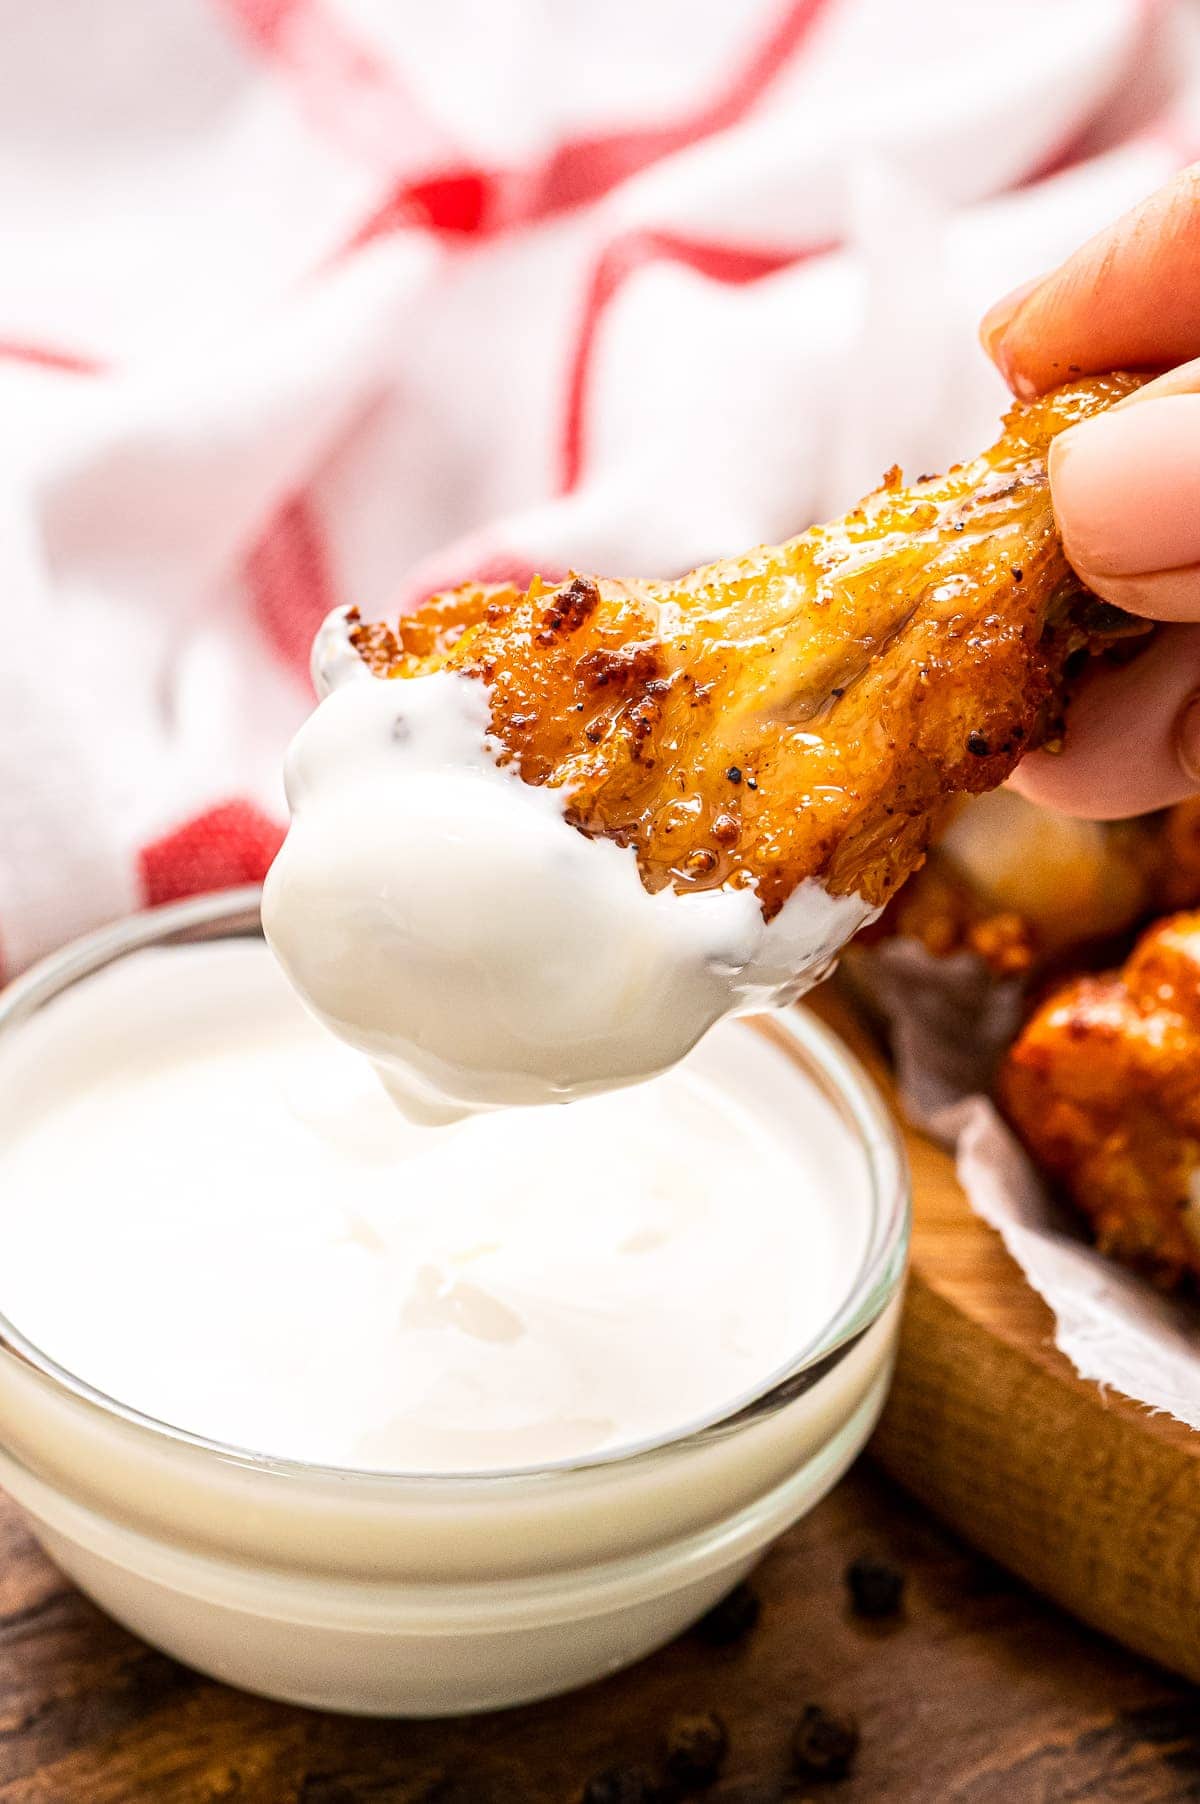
(309, 301)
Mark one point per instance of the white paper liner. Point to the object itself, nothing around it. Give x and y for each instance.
(948, 1023)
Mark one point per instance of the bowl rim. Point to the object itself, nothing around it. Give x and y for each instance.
(235, 914)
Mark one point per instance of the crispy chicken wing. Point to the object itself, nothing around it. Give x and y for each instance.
(805, 710)
(1022, 887)
(1103, 1085)
(947, 913)
(1175, 868)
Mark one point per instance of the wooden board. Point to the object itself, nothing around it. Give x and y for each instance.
(1086, 1495)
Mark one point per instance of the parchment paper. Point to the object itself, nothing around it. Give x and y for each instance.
(949, 1023)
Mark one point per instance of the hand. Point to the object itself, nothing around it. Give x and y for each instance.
(1126, 492)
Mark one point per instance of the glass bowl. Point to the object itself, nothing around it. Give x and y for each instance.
(388, 1593)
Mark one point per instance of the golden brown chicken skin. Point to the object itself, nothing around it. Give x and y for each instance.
(947, 914)
(1103, 1086)
(805, 710)
(1175, 868)
(1024, 889)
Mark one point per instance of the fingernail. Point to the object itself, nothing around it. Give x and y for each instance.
(1187, 738)
(1126, 488)
(997, 320)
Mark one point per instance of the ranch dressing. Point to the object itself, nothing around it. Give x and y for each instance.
(444, 917)
(213, 1214)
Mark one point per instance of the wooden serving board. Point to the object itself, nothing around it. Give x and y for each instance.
(1087, 1495)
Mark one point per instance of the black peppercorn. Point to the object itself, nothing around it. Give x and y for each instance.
(977, 744)
(734, 774)
(695, 1749)
(876, 1589)
(732, 1619)
(620, 1785)
(824, 1746)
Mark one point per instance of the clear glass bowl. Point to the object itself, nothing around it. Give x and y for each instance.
(416, 1594)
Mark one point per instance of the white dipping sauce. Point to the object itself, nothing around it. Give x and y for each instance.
(443, 916)
(212, 1213)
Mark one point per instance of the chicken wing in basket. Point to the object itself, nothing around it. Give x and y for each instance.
(1103, 1086)
(1024, 888)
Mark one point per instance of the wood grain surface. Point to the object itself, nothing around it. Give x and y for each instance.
(979, 1694)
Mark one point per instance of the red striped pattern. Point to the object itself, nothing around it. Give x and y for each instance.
(231, 844)
(50, 357)
(730, 264)
(356, 97)
(468, 200)
(734, 264)
(290, 582)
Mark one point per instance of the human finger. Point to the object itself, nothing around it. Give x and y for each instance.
(1133, 737)
(1127, 299)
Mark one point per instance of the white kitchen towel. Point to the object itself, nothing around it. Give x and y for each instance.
(312, 301)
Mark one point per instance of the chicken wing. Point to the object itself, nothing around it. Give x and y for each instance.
(1175, 870)
(1103, 1086)
(802, 711)
(1023, 887)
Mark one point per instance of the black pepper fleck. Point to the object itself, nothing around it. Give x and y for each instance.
(876, 1588)
(824, 1746)
(1016, 572)
(978, 745)
(837, 694)
(732, 1619)
(734, 774)
(695, 1749)
(751, 783)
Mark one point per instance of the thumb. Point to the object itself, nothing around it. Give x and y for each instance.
(1126, 493)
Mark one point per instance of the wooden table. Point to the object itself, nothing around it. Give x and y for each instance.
(980, 1694)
